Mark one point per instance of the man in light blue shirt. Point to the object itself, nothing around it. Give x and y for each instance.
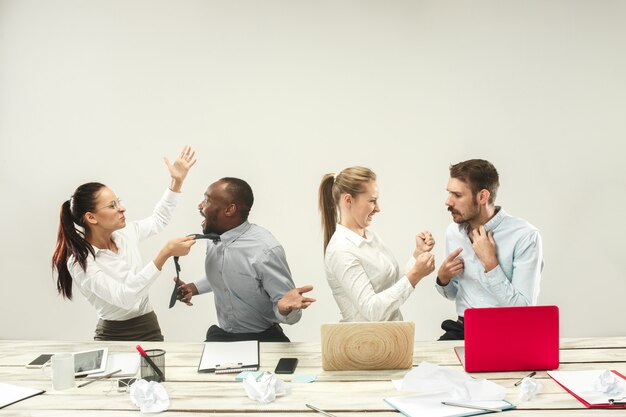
(493, 259)
(246, 269)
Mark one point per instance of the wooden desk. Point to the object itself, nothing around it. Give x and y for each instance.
(345, 394)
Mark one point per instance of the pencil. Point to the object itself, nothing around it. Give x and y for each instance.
(99, 378)
(326, 413)
(472, 406)
(530, 375)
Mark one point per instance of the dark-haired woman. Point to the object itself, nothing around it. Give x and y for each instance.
(98, 252)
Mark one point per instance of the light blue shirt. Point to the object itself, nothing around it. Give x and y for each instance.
(248, 273)
(514, 282)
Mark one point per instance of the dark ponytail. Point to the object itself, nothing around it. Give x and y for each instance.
(70, 241)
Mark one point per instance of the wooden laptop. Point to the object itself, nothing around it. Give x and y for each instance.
(374, 345)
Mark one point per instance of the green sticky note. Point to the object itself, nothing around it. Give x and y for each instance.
(242, 375)
(303, 378)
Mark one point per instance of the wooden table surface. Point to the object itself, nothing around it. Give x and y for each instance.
(345, 394)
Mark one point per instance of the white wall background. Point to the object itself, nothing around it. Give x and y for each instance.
(281, 92)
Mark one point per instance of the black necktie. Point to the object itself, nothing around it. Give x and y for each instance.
(215, 238)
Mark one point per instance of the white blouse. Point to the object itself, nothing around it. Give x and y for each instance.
(364, 277)
(117, 284)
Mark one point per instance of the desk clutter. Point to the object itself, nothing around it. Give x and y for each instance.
(599, 388)
(437, 377)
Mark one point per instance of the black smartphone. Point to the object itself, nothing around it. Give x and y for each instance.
(124, 383)
(286, 366)
(40, 361)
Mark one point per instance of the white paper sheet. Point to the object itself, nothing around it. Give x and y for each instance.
(10, 393)
(430, 405)
(127, 362)
(229, 354)
(584, 385)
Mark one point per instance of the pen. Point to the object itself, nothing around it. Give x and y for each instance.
(320, 411)
(475, 407)
(149, 361)
(530, 375)
(99, 378)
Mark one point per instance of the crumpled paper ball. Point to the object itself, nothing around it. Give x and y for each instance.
(266, 389)
(609, 384)
(150, 397)
(428, 378)
(529, 388)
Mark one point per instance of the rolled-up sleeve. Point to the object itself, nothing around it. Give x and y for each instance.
(275, 275)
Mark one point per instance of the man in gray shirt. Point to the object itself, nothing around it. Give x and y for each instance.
(246, 269)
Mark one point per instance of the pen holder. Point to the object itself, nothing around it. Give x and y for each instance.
(158, 358)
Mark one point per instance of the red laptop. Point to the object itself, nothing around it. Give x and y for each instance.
(510, 339)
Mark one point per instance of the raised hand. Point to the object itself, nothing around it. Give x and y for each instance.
(294, 300)
(424, 242)
(181, 166)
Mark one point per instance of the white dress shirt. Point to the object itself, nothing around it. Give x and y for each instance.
(364, 277)
(514, 282)
(117, 284)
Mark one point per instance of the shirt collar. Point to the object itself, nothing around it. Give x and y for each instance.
(492, 224)
(233, 234)
(350, 235)
(115, 239)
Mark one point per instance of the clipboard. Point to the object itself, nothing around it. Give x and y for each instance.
(10, 394)
(229, 357)
(569, 380)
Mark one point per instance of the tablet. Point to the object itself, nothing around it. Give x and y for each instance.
(90, 361)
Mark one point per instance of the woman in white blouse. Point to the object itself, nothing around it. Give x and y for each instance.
(362, 273)
(98, 252)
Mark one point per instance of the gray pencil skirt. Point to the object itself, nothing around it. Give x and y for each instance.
(142, 328)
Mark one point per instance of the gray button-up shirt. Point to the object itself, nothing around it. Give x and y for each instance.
(248, 273)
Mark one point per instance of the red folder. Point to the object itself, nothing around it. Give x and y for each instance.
(588, 405)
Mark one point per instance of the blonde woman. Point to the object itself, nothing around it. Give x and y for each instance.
(363, 275)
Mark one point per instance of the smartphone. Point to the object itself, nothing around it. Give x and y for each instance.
(286, 366)
(124, 383)
(40, 361)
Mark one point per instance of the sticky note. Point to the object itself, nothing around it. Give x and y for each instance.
(303, 378)
(242, 375)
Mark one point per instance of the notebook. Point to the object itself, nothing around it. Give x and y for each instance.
(419, 405)
(10, 394)
(510, 339)
(229, 357)
(374, 345)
